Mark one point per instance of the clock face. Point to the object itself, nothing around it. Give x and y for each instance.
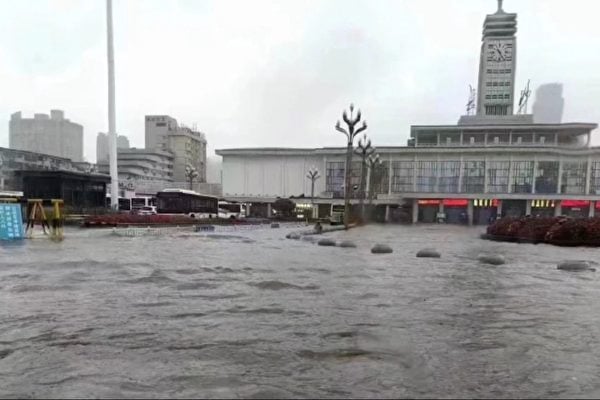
(499, 52)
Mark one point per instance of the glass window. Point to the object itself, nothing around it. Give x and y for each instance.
(426, 176)
(546, 180)
(334, 178)
(573, 177)
(379, 179)
(498, 173)
(595, 183)
(402, 176)
(449, 176)
(473, 176)
(522, 176)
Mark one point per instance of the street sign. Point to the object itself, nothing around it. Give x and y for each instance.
(11, 222)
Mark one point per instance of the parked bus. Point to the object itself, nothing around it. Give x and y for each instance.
(129, 204)
(232, 210)
(188, 202)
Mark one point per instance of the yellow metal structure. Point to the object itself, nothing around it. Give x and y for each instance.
(37, 215)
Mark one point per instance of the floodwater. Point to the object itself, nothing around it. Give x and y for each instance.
(247, 313)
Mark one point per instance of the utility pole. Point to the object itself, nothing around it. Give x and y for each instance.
(112, 135)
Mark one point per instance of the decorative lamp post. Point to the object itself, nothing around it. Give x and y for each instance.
(313, 175)
(350, 133)
(191, 173)
(364, 150)
(373, 162)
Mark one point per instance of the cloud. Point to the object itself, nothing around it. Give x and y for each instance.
(273, 73)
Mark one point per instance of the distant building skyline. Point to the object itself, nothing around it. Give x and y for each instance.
(47, 134)
(549, 104)
(102, 146)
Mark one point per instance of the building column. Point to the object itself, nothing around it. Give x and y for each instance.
(470, 212)
(485, 174)
(460, 173)
(527, 207)
(592, 212)
(315, 211)
(535, 172)
(510, 174)
(557, 209)
(587, 175)
(390, 171)
(499, 209)
(441, 207)
(415, 164)
(560, 173)
(269, 210)
(387, 213)
(438, 139)
(415, 211)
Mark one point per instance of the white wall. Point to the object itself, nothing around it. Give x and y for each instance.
(271, 176)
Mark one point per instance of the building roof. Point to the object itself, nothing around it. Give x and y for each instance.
(64, 174)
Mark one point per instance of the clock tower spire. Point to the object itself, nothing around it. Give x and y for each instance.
(496, 85)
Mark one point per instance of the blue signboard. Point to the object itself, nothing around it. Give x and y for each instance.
(11, 222)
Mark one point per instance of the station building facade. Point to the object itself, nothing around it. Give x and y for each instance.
(494, 162)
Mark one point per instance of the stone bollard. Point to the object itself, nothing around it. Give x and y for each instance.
(274, 225)
(492, 259)
(428, 253)
(381, 249)
(293, 235)
(575, 265)
(326, 242)
(347, 244)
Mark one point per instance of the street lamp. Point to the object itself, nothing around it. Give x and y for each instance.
(350, 133)
(313, 175)
(191, 173)
(364, 150)
(373, 162)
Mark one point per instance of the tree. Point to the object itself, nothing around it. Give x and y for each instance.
(284, 207)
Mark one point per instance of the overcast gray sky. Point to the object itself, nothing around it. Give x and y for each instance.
(279, 73)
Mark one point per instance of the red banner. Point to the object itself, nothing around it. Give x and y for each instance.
(575, 203)
(456, 202)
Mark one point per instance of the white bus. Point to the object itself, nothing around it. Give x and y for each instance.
(232, 210)
(188, 202)
(129, 204)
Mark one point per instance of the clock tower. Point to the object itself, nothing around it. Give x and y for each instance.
(496, 86)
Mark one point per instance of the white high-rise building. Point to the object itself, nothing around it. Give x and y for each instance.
(187, 145)
(549, 104)
(48, 134)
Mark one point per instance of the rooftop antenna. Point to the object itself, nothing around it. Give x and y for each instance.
(525, 93)
(471, 101)
(500, 6)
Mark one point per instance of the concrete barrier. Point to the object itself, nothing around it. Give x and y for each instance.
(575, 265)
(428, 253)
(381, 249)
(493, 259)
(326, 242)
(347, 244)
